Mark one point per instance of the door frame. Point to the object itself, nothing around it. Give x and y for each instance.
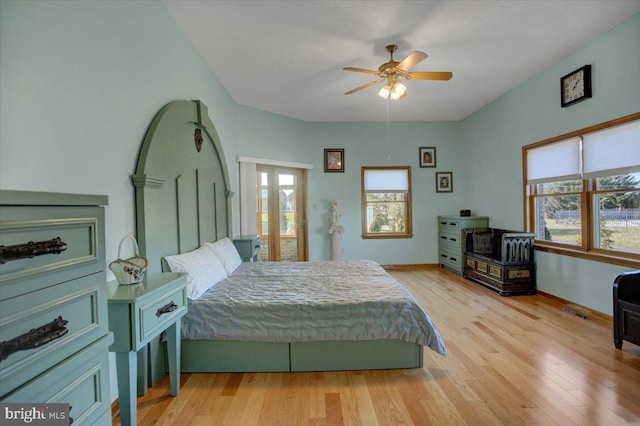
(301, 208)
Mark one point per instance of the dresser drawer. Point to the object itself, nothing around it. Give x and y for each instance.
(450, 239)
(450, 259)
(155, 315)
(451, 224)
(82, 381)
(80, 308)
(79, 230)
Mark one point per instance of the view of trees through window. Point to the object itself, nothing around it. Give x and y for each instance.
(615, 204)
(386, 212)
(386, 202)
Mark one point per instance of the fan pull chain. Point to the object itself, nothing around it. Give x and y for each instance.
(388, 134)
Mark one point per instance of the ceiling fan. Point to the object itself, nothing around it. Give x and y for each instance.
(393, 71)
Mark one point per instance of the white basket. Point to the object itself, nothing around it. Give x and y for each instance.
(129, 271)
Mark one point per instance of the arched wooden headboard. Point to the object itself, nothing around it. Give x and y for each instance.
(181, 183)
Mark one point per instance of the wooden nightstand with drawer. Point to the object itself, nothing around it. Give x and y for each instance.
(137, 314)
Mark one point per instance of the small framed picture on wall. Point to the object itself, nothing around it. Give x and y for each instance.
(427, 156)
(334, 160)
(444, 182)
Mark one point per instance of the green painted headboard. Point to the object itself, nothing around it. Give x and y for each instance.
(181, 183)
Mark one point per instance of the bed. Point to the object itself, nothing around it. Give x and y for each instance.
(183, 203)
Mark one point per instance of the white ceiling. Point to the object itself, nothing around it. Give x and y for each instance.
(286, 57)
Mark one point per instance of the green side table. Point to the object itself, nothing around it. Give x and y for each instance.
(137, 314)
(248, 247)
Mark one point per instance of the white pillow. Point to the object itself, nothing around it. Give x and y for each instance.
(205, 270)
(227, 253)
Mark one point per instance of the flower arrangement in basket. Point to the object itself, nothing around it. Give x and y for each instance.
(129, 271)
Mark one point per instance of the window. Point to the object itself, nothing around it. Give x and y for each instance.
(582, 192)
(386, 202)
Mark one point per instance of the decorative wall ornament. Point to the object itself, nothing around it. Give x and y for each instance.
(197, 136)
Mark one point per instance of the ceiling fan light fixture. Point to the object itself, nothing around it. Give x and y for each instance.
(397, 90)
(384, 92)
(390, 72)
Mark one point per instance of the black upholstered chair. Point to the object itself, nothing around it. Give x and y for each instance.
(626, 308)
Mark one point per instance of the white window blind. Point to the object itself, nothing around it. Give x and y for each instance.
(248, 199)
(612, 151)
(386, 180)
(554, 162)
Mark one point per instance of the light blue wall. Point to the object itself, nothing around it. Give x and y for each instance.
(368, 144)
(81, 81)
(494, 136)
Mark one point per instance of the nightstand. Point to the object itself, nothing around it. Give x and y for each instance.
(137, 314)
(248, 247)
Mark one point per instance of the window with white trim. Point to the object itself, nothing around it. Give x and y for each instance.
(386, 202)
(582, 192)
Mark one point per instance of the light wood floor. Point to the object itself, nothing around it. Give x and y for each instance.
(512, 360)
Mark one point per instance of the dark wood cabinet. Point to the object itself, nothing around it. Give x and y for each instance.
(626, 308)
(500, 259)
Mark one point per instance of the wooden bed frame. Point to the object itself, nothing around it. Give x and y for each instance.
(183, 200)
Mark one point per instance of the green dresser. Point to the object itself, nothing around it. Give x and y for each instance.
(53, 308)
(451, 239)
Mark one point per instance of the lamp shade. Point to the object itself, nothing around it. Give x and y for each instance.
(384, 92)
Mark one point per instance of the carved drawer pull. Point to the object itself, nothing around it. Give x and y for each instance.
(169, 307)
(31, 249)
(34, 338)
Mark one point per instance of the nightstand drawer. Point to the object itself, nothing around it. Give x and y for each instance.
(82, 381)
(64, 242)
(160, 312)
(40, 329)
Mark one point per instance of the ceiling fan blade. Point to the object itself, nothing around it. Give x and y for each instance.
(361, 70)
(429, 75)
(410, 61)
(364, 86)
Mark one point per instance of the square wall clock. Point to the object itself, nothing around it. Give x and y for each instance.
(575, 86)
